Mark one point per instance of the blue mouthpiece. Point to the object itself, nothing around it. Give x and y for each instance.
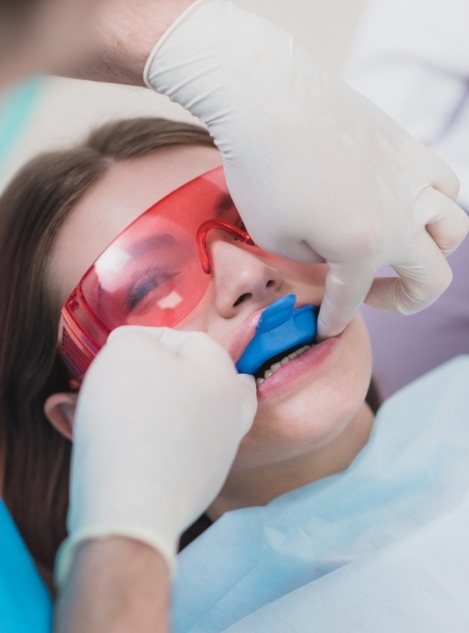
(280, 328)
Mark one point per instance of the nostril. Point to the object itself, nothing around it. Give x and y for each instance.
(241, 298)
(270, 283)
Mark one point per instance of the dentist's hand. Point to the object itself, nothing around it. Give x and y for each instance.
(317, 171)
(159, 419)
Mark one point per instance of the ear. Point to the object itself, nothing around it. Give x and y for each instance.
(60, 411)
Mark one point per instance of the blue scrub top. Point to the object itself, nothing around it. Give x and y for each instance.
(382, 546)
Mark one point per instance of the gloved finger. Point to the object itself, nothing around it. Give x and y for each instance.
(140, 340)
(424, 278)
(197, 347)
(345, 290)
(176, 342)
(447, 182)
(449, 224)
(435, 171)
(126, 331)
(297, 249)
(248, 401)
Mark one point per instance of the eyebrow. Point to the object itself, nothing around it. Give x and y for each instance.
(152, 243)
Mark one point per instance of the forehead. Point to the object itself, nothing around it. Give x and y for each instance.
(127, 189)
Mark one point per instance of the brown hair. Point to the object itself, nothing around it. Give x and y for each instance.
(32, 210)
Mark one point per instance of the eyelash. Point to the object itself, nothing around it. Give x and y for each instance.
(146, 283)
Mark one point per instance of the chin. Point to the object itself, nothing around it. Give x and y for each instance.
(291, 434)
(308, 421)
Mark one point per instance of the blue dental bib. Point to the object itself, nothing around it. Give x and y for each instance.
(280, 328)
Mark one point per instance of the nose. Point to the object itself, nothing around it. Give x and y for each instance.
(240, 276)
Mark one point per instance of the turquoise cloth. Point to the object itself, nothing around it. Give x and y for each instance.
(15, 107)
(25, 603)
(383, 546)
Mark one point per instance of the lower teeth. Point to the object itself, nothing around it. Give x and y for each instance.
(276, 366)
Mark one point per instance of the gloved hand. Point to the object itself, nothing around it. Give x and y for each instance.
(159, 419)
(317, 171)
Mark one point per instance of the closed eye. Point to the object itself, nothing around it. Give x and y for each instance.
(149, 281)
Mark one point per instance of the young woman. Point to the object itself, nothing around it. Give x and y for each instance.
(64, 209)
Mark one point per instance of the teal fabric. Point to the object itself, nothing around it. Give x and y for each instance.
(15, 106)
(383, 546)
(25, 604)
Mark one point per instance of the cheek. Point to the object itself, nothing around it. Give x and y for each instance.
(204, 318)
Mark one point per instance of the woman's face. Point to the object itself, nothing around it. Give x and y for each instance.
(309, 401)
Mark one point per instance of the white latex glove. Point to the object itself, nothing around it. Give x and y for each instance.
(317, 171)
(159, 419)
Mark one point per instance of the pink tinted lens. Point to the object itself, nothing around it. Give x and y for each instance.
(150, 275)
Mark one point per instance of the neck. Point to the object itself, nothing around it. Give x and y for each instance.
(258, 486)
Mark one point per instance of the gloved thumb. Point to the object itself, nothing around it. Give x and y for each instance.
(346, 288)
(248, 401)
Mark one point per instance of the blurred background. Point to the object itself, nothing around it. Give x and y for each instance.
(66, 108)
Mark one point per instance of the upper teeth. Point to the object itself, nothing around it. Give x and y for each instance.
(276, 366)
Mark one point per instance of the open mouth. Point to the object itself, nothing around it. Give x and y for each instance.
(282, 334)
(272, 365)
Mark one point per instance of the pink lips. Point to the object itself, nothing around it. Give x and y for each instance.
(289, 374)
(245, 335)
